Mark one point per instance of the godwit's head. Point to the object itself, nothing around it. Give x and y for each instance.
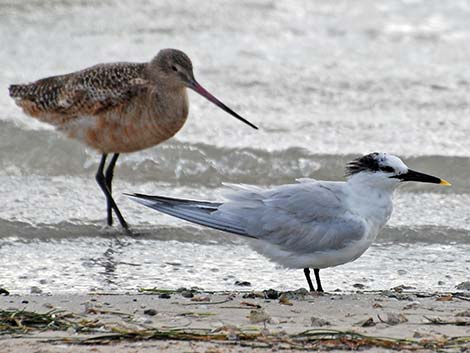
(174, 66)
(176, 69)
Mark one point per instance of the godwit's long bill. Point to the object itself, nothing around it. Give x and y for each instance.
(314, 224)
(117, 107)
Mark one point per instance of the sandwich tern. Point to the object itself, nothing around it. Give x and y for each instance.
(312, 224)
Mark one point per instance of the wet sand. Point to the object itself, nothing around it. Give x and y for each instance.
(197, 321)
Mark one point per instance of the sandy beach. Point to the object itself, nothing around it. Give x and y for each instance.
(197, 321)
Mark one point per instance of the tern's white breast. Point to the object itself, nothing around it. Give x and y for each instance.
(367, 211)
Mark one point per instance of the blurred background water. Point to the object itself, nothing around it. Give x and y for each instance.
(325, 82)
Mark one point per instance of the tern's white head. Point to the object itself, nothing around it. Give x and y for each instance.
(386, 171)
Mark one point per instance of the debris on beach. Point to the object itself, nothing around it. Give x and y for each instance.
(253, 295)
(465, 313)
(35, 290)
(271, 294)
(397, 295)
(242, 283)
(412, 305)
(284, 300)
(463, 286)
(201, 298)
(187, 294)
(22, 321)
(150, 312)
(444, 298)
(319, 322)
(438, 321)
(156, 291)
(259, 315)
(248, 304)
(365, 323)
(402, 287)
(100, 331)
(393, 319)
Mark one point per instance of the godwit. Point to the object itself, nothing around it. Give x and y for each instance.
(314, 224)
(117, 107)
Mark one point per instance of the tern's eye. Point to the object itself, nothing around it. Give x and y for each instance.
(174, 68)
(387, 169)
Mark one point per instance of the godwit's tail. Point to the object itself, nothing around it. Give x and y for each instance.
(36, 100)
(38, 97)
(18, 91)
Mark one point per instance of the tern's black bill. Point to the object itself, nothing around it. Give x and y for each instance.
(412, 175)
(203, 92)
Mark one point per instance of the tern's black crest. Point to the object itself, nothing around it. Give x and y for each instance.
(368, 163)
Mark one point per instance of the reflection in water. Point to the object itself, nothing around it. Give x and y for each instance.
(109, 265)
(111, 259)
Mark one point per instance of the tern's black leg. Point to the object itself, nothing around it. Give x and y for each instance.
(317, 278)
(108, 175)
(309, 280)
(101, 180)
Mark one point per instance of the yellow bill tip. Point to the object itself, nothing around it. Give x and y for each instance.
(445, 182)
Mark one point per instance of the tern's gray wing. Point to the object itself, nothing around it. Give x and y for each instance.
(303, 218)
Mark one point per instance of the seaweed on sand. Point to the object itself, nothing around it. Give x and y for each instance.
(308, 340)
(97, 332)
(20, 321)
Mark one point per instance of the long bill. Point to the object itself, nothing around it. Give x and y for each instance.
(203, 92)
(412, 175)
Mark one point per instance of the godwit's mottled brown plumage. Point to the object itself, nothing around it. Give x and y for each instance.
(117, 107)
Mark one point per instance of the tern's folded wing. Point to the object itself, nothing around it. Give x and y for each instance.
(304, 217)
(301, 218)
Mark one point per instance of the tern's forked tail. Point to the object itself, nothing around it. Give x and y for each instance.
(199, 212)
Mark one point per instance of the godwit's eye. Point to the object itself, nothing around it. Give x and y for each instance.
(174, 68)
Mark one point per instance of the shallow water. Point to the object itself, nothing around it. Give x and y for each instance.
(325, 81)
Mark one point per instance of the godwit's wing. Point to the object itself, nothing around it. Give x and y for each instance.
(82, 93)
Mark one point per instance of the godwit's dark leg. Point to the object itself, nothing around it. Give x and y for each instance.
(317, 278)
(101, 180)
(309, 280)
(108, 175)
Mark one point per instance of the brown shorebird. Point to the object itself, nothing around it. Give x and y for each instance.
(117, 107)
